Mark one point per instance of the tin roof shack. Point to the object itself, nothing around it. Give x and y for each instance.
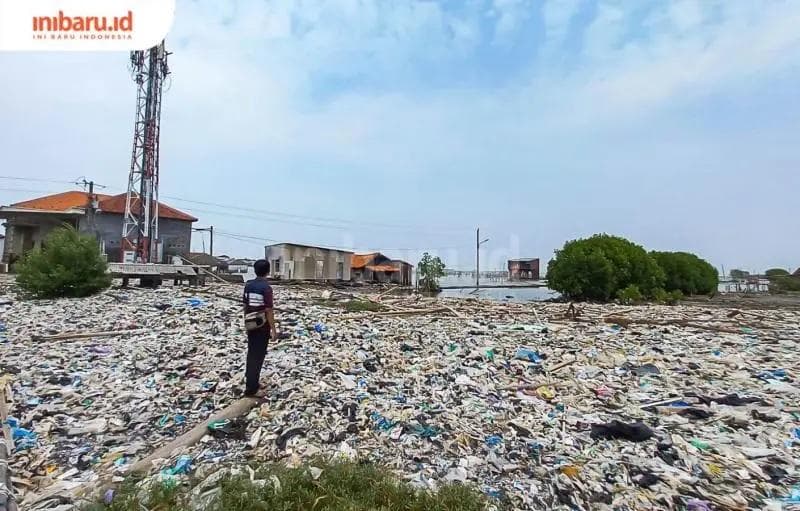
(292, 261)
(523, 269)
(29, 222)
(376, 267)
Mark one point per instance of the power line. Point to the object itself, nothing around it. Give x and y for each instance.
(306, 217)
(246, 237)
(266, 215)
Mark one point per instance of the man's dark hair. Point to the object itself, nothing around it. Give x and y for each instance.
(261, 267)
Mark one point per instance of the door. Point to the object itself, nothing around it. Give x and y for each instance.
(339, 271)
(319, 274)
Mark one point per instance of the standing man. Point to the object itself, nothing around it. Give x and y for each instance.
(259, 323)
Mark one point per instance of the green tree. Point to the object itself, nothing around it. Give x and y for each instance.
(597, 268)
(687, 273)
(68, 265)
(776, 272)
(430, 269)
(739, 274)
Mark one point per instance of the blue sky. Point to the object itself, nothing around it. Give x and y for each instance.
(406, 125)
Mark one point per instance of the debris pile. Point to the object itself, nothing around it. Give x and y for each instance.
(609, 408)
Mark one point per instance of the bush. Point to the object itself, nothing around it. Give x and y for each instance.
(687, 273)
(597, 268)
(783, 284)
(631, 295)
(776, 272)
(69, 265)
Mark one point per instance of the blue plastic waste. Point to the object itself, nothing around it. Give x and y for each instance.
(195, 302)
(493, 440)
(382, 423)
(23, 438)
(794, 496)
(320, 327)
(182, 466)
(773, 374)
(109, 496)
(494, 493)
(528, 354)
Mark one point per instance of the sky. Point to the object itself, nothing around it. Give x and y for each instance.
(403, 126)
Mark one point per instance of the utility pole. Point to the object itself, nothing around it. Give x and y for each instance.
(478, 259)
(210, 230)
(90, 206)
(478, 244)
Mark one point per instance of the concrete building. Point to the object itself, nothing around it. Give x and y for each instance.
(291, 261)
(29, 222)
(376, 267)
(240, 265)
(523, 269)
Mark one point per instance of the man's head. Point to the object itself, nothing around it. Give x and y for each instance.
(261, 268)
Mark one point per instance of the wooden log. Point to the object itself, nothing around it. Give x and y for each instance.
(86, 335)
(191, 437)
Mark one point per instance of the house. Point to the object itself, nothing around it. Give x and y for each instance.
(203, 259)
(376, 267)
(523, 269)
(240, 265)
(29, 222)
(293, 261)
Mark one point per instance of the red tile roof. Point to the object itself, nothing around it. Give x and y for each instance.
(59, 201)
(108, 203)
(116, 204)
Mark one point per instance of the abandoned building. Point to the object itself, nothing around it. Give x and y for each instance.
(292, 261)
(376, 267)
(28, 222)
(523, 269)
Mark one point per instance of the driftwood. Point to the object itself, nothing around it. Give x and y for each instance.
(191, 437)
(625, 322)
(405, 312)
(86, 335)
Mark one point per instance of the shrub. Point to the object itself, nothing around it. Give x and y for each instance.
(631, 295)
(687, 273)
(783, 284)
(597, 268)
(68, 265)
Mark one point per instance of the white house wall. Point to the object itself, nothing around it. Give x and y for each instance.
(304, 262)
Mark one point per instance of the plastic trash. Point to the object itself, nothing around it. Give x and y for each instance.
(528, 354)
(182, 466)
(635, 432)
(195, 302)
(228, 428)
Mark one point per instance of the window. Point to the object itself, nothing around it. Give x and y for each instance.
(276, 266)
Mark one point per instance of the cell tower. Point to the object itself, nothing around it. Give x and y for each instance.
(140, 226)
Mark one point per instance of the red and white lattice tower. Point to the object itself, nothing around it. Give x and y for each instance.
(140, 225)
